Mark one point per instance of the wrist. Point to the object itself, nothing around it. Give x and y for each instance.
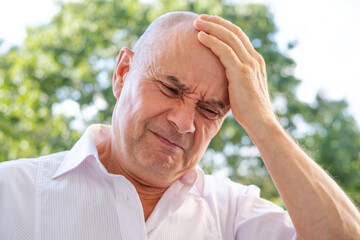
(264, 130)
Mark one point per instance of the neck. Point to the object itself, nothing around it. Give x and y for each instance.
(149, 195)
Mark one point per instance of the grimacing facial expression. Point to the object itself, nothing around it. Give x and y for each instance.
(169, 107)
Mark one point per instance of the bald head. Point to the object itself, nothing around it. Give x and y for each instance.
(152, 37)
(170, 87)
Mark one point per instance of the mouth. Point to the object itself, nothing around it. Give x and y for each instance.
(166, 141)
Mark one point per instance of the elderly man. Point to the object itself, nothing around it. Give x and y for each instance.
(137, 179)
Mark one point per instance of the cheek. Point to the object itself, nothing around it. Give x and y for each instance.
(128, 107)
(205, 131)
(134, 98)
(215, 127)
(141, 104)
(203, 135)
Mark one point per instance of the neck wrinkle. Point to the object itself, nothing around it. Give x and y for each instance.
(149, 195)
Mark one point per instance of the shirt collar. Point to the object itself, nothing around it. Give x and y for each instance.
(85, 147)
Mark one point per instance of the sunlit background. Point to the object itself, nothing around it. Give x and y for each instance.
(326, 33)
(56, 60)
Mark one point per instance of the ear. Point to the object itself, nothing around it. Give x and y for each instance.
(123, 65)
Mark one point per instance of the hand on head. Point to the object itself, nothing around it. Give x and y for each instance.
(245, 70)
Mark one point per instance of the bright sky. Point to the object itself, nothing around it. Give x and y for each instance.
(327, 31)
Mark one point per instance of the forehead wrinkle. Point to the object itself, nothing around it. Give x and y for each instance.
(153, 71)
(162, 55)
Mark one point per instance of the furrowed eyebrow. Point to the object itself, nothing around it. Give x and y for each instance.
(177, 83)
(217, 104)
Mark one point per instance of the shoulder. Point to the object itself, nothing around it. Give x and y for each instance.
(221, 186)
(238, 196)
(18, 194)
(15, 172)
(228, 197)
(26, 169)
(11, 167)
(240, 208)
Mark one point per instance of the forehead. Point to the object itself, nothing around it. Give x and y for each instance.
(178, 53)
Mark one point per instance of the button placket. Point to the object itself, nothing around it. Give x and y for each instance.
(129, 210)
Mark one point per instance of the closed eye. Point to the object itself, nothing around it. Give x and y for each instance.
(168, 90)
(171, 89)
(208, 112)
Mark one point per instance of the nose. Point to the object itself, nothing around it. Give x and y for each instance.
(182, 118)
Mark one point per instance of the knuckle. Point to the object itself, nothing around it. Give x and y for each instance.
(229, 50)
(228, 22)
(257, 59)
(260, 59)
(243, 36)
(246, 70)
(215, 45)
(239, 32)
(212, 40)
(232, 37)
(217, 18)
(252, 63)
(246, 37)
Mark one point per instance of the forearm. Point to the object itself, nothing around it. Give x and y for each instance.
(316, 204)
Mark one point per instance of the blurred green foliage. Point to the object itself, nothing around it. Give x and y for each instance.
(73, 56)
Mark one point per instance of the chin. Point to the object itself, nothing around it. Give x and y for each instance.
(162, 171)
(161, 161)
(160, 178)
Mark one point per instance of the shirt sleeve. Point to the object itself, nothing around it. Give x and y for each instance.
(258, 218)
(17, 199)
(242, 214)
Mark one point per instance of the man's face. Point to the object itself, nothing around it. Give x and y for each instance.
(169, 108)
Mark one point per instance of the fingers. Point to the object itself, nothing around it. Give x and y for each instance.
(219, 48)
(233, 28)
(244, 67)
(226, 31)
(226, 36)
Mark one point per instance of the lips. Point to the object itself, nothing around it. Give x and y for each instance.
(171, 142)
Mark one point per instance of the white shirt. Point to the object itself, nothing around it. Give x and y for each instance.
(70, 195)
